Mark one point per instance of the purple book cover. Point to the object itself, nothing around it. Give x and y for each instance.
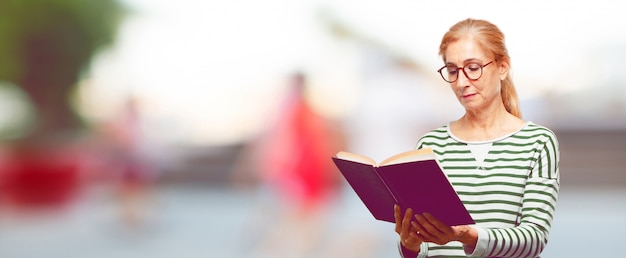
(369, 187)
(420, 185)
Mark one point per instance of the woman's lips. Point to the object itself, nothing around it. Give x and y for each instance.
(468, 95)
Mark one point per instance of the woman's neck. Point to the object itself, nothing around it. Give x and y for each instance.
(482, 126)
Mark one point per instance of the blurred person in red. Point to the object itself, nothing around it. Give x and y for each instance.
(292, 162)
(295, 159)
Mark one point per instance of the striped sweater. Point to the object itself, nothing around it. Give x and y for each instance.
(511, 195)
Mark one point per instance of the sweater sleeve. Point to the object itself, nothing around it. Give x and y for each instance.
(406, 253)
(529, 238)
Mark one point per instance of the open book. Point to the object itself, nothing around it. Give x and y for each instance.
(412, 179)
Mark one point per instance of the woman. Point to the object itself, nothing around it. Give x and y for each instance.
(504, 169)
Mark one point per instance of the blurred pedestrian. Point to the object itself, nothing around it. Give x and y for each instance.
(294, 170)
(136, 172)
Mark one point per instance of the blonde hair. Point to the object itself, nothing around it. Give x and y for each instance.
(491, 39)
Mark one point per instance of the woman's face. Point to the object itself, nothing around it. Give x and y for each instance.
(475, 95)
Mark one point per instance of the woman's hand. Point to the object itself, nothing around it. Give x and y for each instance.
(409, 237)
(433, 230)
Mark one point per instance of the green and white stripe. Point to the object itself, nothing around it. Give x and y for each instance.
(511, 195)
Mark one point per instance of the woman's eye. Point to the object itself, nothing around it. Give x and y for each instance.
(473, 67)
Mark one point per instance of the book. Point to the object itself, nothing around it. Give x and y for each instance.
(412, 179)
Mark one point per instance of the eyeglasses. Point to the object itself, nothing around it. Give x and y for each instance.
(472, 71)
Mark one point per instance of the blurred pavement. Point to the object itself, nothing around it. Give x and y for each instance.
(210, 223)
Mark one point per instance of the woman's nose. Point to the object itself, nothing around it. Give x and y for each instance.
(462, 80)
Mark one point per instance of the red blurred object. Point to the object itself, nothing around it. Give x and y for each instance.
(41, 178)
(296, 154)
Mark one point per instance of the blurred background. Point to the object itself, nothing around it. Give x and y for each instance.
(151, 128)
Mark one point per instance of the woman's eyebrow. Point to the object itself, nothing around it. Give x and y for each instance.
(469, 60)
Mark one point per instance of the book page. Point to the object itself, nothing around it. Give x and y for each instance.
(355, 157)
(413, 155)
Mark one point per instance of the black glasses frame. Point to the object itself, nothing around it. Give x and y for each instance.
(464, 72)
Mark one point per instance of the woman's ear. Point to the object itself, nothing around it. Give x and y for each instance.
(503, 70)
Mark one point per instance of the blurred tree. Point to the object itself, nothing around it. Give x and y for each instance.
(45, 46)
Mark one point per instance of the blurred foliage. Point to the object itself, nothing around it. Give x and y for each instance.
(46, 45)
(80, 26)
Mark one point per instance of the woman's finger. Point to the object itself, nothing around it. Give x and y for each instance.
(427, 225)
(406, 223)
(438, 224)
(397, 214)
(434, 230)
